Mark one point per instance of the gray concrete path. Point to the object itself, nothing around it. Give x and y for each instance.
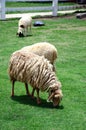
(36, 14)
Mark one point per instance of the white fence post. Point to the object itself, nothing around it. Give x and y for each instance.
(55, 7)
(2, 9)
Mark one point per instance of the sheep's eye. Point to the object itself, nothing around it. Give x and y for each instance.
(52, 91)
(22, 26)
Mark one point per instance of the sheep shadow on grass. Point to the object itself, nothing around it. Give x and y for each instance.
(29, 35)
(27, 100)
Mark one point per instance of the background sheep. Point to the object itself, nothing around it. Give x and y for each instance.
(38, 72)
(23, 24)
(43, 49)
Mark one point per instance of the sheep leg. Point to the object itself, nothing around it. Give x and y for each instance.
(38, 99)
(33, 92)
(12, 88)
(30, 29)
(27, 91)
(26, 31)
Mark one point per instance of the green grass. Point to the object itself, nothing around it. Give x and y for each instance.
(21, 112)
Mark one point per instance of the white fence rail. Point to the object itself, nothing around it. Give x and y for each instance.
(54, 7)
(13, 9)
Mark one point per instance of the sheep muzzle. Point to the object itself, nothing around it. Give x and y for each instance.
(20, 34)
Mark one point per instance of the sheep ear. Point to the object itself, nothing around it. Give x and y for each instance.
(56, 96)
(22, 26)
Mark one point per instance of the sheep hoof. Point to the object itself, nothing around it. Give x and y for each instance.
(38, 101)
(12, 95)
(28, 94)
(32, 97)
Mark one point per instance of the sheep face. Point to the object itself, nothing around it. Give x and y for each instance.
(21, 31)
(55, 96)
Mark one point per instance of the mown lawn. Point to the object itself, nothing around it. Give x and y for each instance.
(68, 34)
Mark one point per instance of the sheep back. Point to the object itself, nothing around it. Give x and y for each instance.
(26, 21)
(43, 49)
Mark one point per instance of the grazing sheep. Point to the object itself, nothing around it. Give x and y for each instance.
(42, 49)
(38, 72)
(24, 23)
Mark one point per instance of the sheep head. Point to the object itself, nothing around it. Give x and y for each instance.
(20, 32)
(55, 95)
